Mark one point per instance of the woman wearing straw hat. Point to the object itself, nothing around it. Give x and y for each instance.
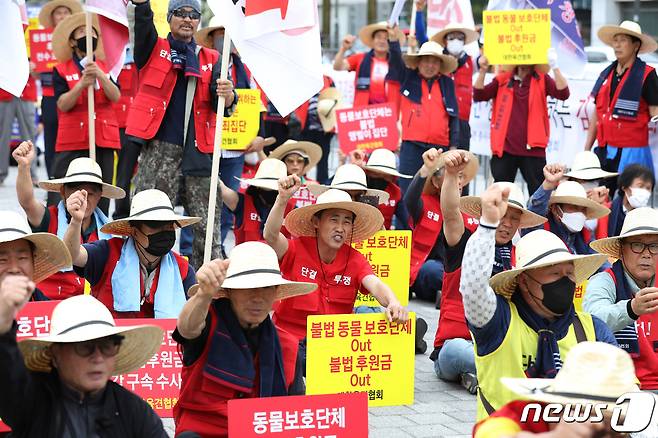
(522, 317)
(83, 173)
(300, 157)
(634, 190)
(58, 385)
(625, 296)
(136, 275)
(231, 348)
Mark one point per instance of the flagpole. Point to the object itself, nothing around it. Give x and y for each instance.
(217, 153)
(90, 90)
(412, 27)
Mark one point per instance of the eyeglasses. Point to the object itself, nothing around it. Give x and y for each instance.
(192, 15)
(109, 347)
(639, 247)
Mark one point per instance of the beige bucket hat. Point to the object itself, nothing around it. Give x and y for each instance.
(349, 177)
(572, 192)
(46, 12)
(383, 161)
(538, 249)
(638, 222)
(81, 170)
(268, 174)
(607, 34)
(586, 166)
(470, 33)
(309, 150)
(63, 31)
(84, 318)
(366, 33)
(431, 48)
(203, 35)
(329, 100)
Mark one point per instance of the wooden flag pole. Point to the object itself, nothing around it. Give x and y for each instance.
(90, 90)
(412, 27)
(216, 153)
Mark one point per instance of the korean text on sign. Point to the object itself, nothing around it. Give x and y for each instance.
(367, 127)
(41, 49)
(361, 353)
(241, 128)
(517, 36)
(310, 416)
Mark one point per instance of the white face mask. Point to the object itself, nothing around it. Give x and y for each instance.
(591, 224)
(639, 197)
(574, 221)
(590, 185)
(455, 47)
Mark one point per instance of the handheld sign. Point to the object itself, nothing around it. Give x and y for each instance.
(517, 36)
(241, 128)
(367, 127)
(41, 50)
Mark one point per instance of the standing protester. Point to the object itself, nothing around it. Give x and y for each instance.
(300, 157)
(231, 348)
(178, 137)
(634, 189)
(519, 102)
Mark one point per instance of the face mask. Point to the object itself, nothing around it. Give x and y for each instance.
(639, 197)
(590, 185)
(160, 243)
(376, 183)
(558, 295)
(81, 44)
(455, 47)
(591, 224)
(574, 221)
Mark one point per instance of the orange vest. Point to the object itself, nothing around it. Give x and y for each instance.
(428, 121)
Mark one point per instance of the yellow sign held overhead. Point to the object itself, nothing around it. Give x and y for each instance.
(517, 36)
(242, 127)
(159, 8)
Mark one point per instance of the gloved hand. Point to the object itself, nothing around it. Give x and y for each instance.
(552, 58)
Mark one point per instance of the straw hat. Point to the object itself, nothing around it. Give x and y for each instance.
(50, 254)
(203, 36)
(586, 166)
(311, 151)
(148, 205)
(46, 12)
(383, 161)
(638, 222)
(268, 174)
(84, 318)
(329, 101)
(81, 170)
(607, 34)
(366, 33)
(349, 177)
(255, 264)
(538, 249)
(63, 31)
(368, 220)
(472, 206)
(572, 192)
(470, 33)
(431, 48)
(593, 372)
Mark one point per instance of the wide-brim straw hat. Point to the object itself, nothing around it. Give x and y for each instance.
(592, 373)
(63, 52)
(203, 36)
(383, 161)
(368, 219)
(349, 177)
(470, 33)
(472, 206)
(253, 265)
(586, 166)
(329, 101)
(268, 174)
(84, 170)
(432, 48)
(46, 12)
(538, 249)
(607, 35)
(84, 318)
(148, 205)
(573, 192)
(367, 32)
(309, 150)
(638, 222)
(49, 253)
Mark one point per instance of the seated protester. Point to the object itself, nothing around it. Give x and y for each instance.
(58, 385)
(138, 276)
(625, 296)
(27, 257)
(453, 356)
(231, 348)
(252, 208)
(635, 187)
(523, 317)
(82, 174)
(300, 157)
(352, 179)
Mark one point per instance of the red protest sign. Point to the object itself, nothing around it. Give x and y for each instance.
(41, 49)
(309, 416)
(367, 127)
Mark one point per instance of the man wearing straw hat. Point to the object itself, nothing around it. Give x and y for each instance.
(352, 179)
(231, 348)
(626, 96)
(83, 173)
(58, 385)
(625, 296)
(523, 317)
(300, 157)
(136, 275)
(634, 190)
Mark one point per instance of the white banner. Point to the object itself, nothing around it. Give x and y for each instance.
(442, 12)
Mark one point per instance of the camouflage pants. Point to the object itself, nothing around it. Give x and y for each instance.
(160, 168)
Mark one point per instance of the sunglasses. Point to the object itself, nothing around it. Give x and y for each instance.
(109, 347)
(192, 15)
(639, 247)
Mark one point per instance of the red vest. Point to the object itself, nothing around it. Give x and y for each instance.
(428, 121)
(388, 209)
(621, 132)
(203, 403)
(72, 130)
(103, 289)
(128, 83)
(425, 233)
(452, 322)
(250, 228)
(538, 124)
(157, 80)
(463, 78)
(302, 111)
(362, 97)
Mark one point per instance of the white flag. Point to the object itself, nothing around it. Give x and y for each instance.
(15, 69)
(442, 12)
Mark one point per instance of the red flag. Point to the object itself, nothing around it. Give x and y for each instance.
(113, 21)
(254, 7)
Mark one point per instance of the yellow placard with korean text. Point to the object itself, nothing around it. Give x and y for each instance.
(517, 36)
(242, 127)
(33, 24)
(579, 295)
(361, 353)
(389, 254)
(159, 8)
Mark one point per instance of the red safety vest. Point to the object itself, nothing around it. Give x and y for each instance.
(302, 111)
(250, 227)
(425, 233)
(452, 322)
(72, 130)
(156, 84)
(621, 132)
(128, 83)
(538, 125)
(362, 97)
(463, 78)
(203, 402)
(427, 122)
(388, 209)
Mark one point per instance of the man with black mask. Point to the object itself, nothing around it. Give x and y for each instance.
(137, 277)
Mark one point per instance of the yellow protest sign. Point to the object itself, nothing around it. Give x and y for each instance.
(241, 128)
(579, 295)
(361, 353)
(389, 254)
(34, 24)
(159, 8)
(517, 36)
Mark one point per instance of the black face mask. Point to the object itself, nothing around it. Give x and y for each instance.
(376, 183)
(558, 295)
(160, 243)
(81, 43)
